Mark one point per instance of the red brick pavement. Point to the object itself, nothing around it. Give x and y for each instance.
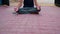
(47, 22)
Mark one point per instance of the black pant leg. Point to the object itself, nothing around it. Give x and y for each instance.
(5, 2)
(57, 3)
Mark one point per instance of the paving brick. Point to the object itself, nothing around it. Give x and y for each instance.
(47, 22)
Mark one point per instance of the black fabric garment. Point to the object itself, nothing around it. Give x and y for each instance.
(5, 2)
(28, 3)
(57, 3)
(0, 2)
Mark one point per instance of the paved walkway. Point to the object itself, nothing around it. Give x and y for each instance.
(47, 22)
